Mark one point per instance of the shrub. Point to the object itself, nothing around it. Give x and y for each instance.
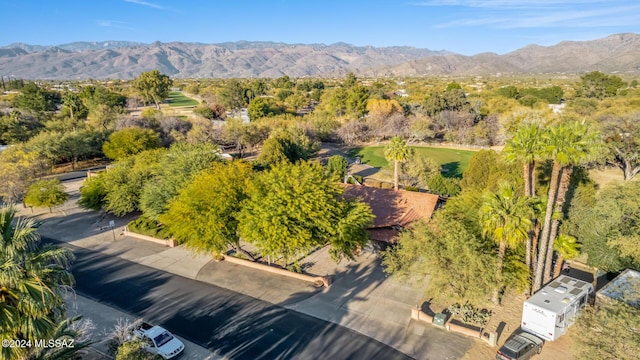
(149, 227)
(469, 314)
(412, 188)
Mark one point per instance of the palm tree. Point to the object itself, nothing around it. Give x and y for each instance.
(525, 147)
(31, 282)
(567, 248)
(586, 146)
(74, 330)
(506, 217)
(566, 144)
(397, 151)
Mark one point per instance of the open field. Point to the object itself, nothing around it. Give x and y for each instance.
(178, 99)
(453, 161)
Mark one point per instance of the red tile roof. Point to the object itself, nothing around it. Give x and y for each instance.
(393, 208)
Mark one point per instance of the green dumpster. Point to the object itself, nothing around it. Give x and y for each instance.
(439, 319)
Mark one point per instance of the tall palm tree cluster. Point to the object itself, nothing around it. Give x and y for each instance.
(32, 279)
(511, 218)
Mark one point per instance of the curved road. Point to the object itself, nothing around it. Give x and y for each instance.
(234, 325)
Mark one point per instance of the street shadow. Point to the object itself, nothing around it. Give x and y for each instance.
(80, 225)
(327, 338)
(120, 283)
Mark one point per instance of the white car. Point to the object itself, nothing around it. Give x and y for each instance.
(158, 340)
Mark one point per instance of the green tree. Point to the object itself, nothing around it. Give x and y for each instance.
(506, 218)
(443, 186)
(125, 180)
(598, 85)
(177, 167)
(417, 170)
(261, 107)
(510, 92)
(233, 95)
(33, 97)
(17, 127)
(455, 259)
(337, 167)
(452, 100)
(73, 106)
(294, 208)
(46, 193)
(397, 151)
(19, 166)
(356, 100)
(204, 216)
(350, 80)
(622, 138)
(92, 193)
(287, 145)
(32, 282)
(152, 86)
(130, 141)
(613, 214)
(608, 332)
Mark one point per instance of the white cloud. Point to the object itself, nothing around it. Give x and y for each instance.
(114, 24)
(145, 3)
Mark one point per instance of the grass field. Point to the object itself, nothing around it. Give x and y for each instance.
(178, 99)
(453, 161)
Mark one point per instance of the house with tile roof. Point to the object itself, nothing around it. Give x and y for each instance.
(393, 210)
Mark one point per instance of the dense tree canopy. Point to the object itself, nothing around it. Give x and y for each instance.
(456, 260)
(204, 215)
(125, 181)
(287, 145)
(598, 85)
(130, 141)
(153, 86)
(294, 208)
(46, 193)
(33, 97)
(177, 167)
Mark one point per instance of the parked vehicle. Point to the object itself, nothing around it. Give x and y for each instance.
(554, 308)
(158, 340)
(520, 346)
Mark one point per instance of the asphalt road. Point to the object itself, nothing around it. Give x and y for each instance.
(234, 325)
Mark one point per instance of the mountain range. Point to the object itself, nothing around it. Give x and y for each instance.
(619, 53)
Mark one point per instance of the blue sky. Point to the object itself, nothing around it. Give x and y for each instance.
(464, 26)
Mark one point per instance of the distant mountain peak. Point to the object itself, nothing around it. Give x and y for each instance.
(243, 59)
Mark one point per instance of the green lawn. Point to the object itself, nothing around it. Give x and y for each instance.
(178, 99)
(453, 161)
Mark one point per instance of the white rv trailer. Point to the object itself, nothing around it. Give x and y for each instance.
(549, 312)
